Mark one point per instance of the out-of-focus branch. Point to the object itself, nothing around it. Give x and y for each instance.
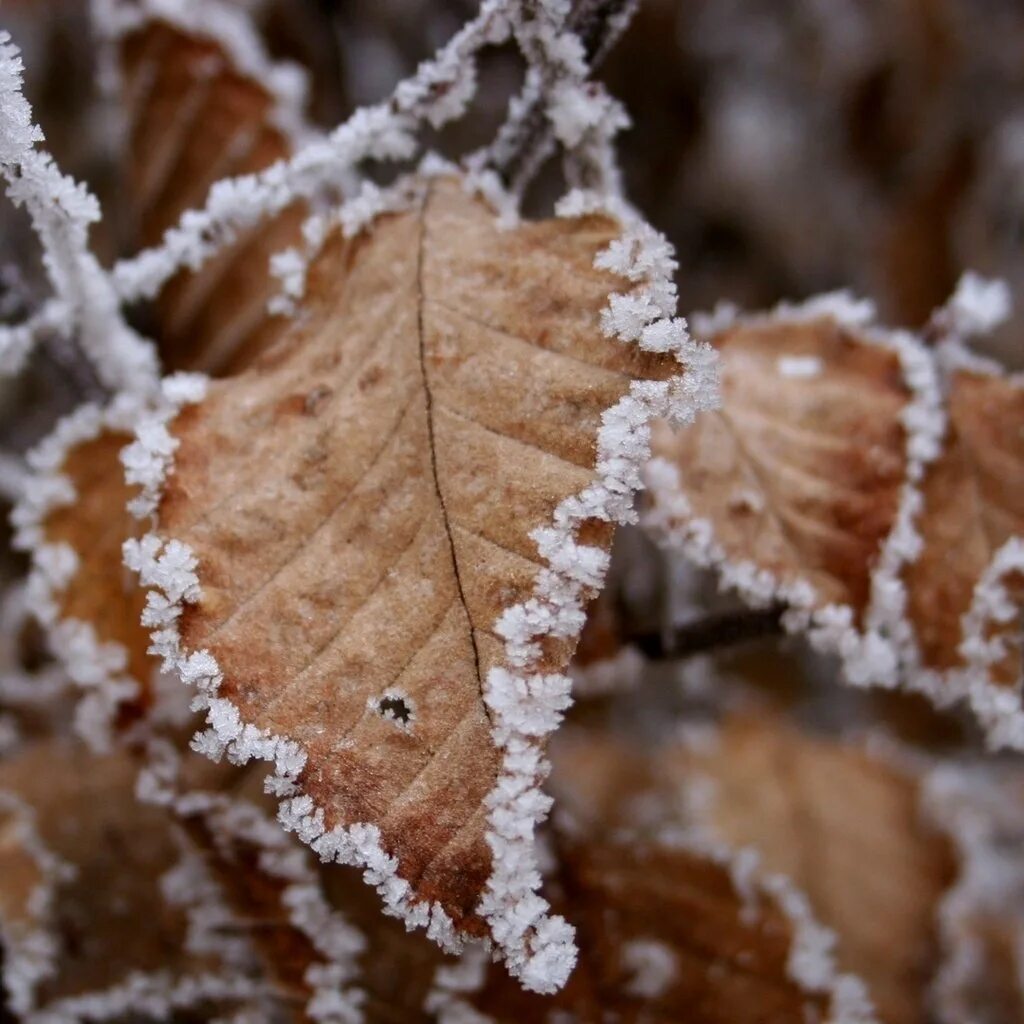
(526, 138)
(709, 633)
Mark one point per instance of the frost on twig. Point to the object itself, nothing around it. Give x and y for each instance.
(62, 211)
(558, 104)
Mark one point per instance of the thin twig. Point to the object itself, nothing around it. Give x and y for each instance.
(526, 139)
(709, 633)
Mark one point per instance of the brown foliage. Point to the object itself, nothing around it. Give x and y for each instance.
(194, 119)
(381, 445)
(800, 476)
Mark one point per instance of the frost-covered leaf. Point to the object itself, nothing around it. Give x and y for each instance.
(94, 527)
(256, 896)
(73, 520)
(800, 470)
(30, 873)
(846, 827)
(669, 934)
(676, 926)
(118, 945)
(308, 952)
(319, 934)
(843, 825)
(385, 531)
(197, 113)
(982, 811)
(874, 488)
(973, 506)
(666, 933)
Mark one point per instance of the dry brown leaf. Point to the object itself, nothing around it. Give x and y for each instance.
(73, 521)
(115, 852)
(666, 930)
(195, 119)
(847, 829)
(664, 936)
(974, 503)
(980, 806)
(256, 897)
(802, 488)
(267, 880)
(360, 504)
(20, 869)
(28, 874)
(800, 475)
(228, 820)
(95, 527)
(717, 956)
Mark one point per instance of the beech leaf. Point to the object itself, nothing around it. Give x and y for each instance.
(846, 828)
(799, 472)
(194, 118)
(716, 949)
(871, 486)
(973, 506)
(106, 943)
(72, 519)
(385, 531)
(95, 527)
(982, 811)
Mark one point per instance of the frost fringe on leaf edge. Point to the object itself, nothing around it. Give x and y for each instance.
(96, 667)
(885, 653)
(334, 999)
(525, 706)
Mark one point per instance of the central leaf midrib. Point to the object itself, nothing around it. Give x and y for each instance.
(421, 333)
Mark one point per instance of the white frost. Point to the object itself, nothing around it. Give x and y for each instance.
(62, 211)
(652, 966)
(799, 367)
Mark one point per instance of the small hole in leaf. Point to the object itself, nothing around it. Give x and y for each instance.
(395, 707)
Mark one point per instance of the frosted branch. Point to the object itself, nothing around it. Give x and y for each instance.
(62, 211)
